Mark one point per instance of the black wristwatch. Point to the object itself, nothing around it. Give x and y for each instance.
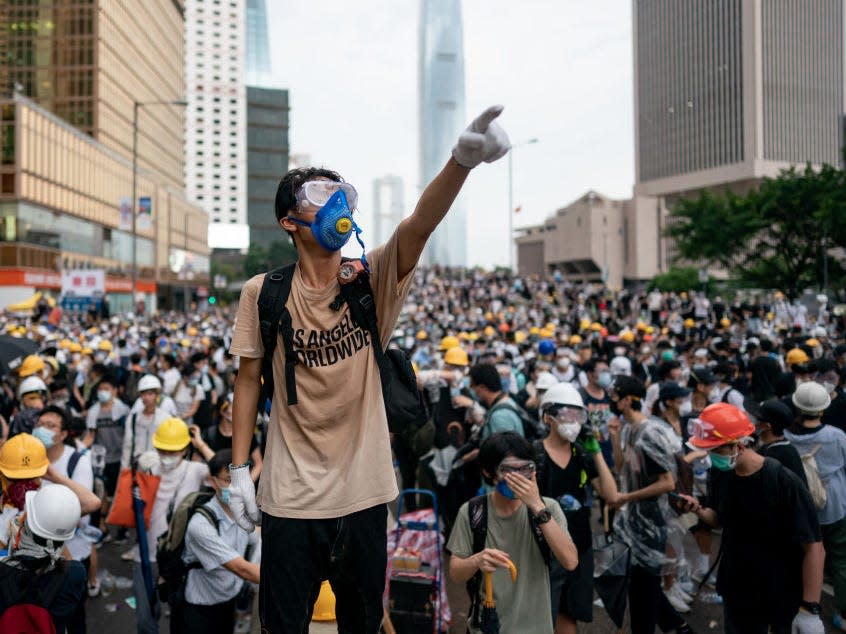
(543, 516)
(811, 606)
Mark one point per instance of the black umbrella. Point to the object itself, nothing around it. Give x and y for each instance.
(489, 617)
(611, 572)
(146, 599)
(13, 350)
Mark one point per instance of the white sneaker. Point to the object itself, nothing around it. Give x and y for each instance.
(688, 586)
(94, 588)
(676, 601)
(686, 596)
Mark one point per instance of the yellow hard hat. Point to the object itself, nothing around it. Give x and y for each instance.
(105, 345)
(596, 326)
(20, 331)
(689, 323)
(641, 326)
(546, 333)
(489, 316)
(87, 350)
(11, 327)
(421, 335)
(796, 356)
(550, 326)
(463, 336)
(584, 324)
(519, 337)
(31, 365)
(665, 330)
(627, 335)
(324, 607)
(650, 330)
(456, 356)
(92, 330)
(22, 457)
(191, 332)
(75, 347)
(185, 343)
(813, 342)
(575, 339)
(725, 322)
(65, 344)
(448, 342)
(172, 435)
(534, 330)
(489, 331)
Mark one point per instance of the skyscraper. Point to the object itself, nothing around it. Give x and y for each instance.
(442, 117)
(258, 46)
(215, 139)
(388, 207)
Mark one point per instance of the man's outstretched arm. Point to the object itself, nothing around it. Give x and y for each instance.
(483, 140)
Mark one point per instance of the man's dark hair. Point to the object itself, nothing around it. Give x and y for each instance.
(188, 370)
(590, 364)
(666, 367)
(60, 411)
(286, 191)
(135, 357)
(100, 369)
(107, 378)
(486, 374)
(499, 445)
(197, 357)
(766, 345)
(220, 462)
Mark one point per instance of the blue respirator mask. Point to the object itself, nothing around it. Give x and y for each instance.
(333, 225)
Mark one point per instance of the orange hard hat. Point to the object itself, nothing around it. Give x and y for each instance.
(720, 424)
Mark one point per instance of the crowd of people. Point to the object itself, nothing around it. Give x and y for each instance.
(674, 414)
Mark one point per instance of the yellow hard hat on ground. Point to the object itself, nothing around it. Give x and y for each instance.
(23, 457)
(324, 607)
(172, 435)
(448, 342)
(31, 365)
(456, 356)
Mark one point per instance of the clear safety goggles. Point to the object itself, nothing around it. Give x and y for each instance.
(568, 414)
(317, 193)
(704, 431)
(525, 468)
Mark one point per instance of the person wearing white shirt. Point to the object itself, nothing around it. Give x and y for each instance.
(144, 421)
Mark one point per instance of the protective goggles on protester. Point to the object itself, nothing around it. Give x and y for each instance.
(703, 435)
(525, 468)
(567, 414)
(317, 194)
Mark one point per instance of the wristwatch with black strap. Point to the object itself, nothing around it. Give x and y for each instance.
(811, 606)
(542, 516)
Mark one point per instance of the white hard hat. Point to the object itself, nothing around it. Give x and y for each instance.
(53, 512)
(562, 394)
(31, 384)
(545, 381)
(819, 331)
(811, 398)
(620, 365)
(822, 299)
(149, 382)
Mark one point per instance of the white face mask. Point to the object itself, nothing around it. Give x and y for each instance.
(169, 463)
(569, 431)
(714, 395)
(563, 363)
(685, 408)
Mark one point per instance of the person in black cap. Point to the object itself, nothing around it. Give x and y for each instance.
(644, 450)
(671, 398)
(773, 418)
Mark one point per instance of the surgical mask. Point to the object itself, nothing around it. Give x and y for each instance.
(505, 490)
(100, 357)
(605, 379)
(61, 401)
(829, 387)
(569, 431)
(104, 396)
(169, 462)
(563, 363)
(225, 496)
(333, 225)
(45, 436)
(721, 462)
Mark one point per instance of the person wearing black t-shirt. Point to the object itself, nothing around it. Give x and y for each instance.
(568, 459)
(771, 569)
(773, 418)
(209, 441)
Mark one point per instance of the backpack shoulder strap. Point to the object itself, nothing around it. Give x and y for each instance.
(359, 297)
(72, 462)
(540, 461)
(274, 319)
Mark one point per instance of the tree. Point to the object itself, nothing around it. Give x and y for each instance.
(677, 279)
(772, 237)
(261, 259)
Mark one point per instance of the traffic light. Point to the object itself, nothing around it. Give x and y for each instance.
(212, 299)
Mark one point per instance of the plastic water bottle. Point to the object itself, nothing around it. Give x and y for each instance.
(569, 503)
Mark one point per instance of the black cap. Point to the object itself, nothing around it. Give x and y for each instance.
(703, 374)
(777, 414)
(671, 389)
(629, 386)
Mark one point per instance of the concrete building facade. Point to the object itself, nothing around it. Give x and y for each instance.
(77, 69)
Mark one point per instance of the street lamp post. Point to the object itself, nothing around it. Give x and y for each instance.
(137, 105)
(511, 200)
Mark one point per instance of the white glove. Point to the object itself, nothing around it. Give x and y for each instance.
(242, 499)
(807, 623)
(483, 140)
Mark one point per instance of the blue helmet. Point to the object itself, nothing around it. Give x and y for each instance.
(546, 347)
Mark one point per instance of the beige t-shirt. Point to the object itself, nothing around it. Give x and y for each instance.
(329, 455)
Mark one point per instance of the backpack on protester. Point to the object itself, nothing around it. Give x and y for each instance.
(532, 429)
(404, 406)
(477, 513)
(29, 599)
(816, 487)
(170, 546)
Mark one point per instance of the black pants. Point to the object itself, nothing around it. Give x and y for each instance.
(738, 620)
(208, 619)
(297, 555)
(648, 607)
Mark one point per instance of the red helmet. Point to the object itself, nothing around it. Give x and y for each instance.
(719, 424)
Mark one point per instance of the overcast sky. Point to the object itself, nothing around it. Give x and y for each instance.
(562, 68)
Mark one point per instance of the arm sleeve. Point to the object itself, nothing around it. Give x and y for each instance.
(203, 541)
(246, 340)
(461, 539)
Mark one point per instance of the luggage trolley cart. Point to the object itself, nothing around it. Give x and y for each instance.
(414, 584)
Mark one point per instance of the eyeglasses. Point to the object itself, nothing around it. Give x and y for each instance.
(526, 469)
(568, 414)
(318, 193)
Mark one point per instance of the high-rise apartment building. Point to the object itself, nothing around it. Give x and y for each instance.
(442, 117)
(71, 77)
(215, 139)
(388, 207)
(730, 91)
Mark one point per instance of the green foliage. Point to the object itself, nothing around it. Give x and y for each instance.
(261, 259)
(772, 237)
(677, 279)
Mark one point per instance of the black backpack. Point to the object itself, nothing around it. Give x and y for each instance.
(171, 545)
(404, 406)
(533, 429)
(477, 512)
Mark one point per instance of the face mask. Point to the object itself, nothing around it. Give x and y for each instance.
(569, 431)
(16, 491)
(505, 490)
(714, 396)
(723, 463)
(225, 496)
(45, 436)
(169, 462)
(686, 408)
(563, 363)
(605, 379)
(61, 401)
(333, 225)
(104, 396)
(829, 387)
(99, 357)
